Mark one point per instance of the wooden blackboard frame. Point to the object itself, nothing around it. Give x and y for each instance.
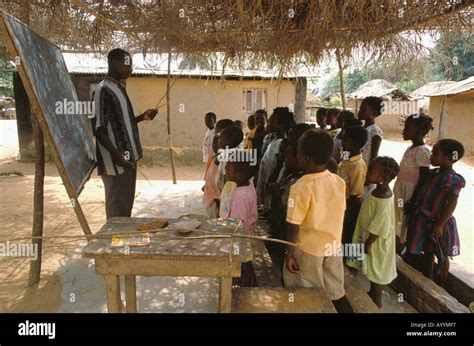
(39, 113)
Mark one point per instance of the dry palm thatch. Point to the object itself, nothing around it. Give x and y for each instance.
(380, 88)
(283, 33)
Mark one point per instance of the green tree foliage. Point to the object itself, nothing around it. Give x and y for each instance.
(456, 53)
(352, 80)
(6, 77)
(191, 61)
(437, 66)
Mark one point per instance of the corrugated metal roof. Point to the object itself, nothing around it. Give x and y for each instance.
(431, 88)
(456, 88)
(156, 65)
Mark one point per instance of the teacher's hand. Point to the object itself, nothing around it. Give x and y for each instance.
(121, 161)
(150, 114)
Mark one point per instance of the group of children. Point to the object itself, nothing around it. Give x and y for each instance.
(327, 188)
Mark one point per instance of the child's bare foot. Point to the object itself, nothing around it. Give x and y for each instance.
(377, 301)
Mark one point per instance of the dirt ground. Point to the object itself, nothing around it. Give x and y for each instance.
(156, 196)
(16, 203)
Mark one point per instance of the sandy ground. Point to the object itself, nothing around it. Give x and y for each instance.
(62, 271)
(69, 283)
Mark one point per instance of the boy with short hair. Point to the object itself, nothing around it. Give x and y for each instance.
(314, 219)
(353, 170)
(229, 138)
(210, 121)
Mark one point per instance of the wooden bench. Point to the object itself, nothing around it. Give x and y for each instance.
(460, 284)
(280, 300)
(357, 296)
(423, 293)
(266, 274)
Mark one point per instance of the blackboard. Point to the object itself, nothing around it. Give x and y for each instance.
(69, 136)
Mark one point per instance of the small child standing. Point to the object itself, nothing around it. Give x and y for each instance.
(239, 124)
(342, 117)
(413, 167)
(220, 125)
(239, 200)
(281, 189)
(259, 134)
(229, 139)
(353, 170)
(279, 123)
(242, 203)
(370, 109)
(211, 192)
(251, 132)
(375, 229)
(314, 219)
(331, 119)
(321, 118)
(431, 225)
(280, 192)
(210, 121)
(288, 175)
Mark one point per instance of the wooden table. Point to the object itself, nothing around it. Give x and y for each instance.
(168, 257)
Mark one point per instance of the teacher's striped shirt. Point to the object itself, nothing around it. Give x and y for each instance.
(113, 111)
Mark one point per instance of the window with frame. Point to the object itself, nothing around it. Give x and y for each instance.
(254, 99)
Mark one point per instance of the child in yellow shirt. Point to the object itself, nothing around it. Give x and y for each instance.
(314, 219)
(353, 170)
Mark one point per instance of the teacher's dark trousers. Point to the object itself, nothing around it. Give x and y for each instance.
(120, 193)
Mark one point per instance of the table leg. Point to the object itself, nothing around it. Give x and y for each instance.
(225, 294)
(130, 293)
(112, 286)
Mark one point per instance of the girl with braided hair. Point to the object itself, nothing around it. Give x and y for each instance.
(370, 108)
(414, 167)
(432, 229)
(375, 229)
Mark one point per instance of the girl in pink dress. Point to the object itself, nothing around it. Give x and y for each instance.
(242, 204)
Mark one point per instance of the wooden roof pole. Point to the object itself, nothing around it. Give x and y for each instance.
(341, 79)
(168, 117)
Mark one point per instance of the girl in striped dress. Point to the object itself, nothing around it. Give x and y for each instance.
(432, 228)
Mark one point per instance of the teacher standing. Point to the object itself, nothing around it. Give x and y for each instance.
(118, 142)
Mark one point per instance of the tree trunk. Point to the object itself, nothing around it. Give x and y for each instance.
(341, 79)
(300, 99)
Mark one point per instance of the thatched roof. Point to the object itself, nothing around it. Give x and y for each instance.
(380, 88)
(247, 30)
(312, 100)
(430, 88)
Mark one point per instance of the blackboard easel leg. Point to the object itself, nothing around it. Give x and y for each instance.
(38, 203)
(82, 219)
